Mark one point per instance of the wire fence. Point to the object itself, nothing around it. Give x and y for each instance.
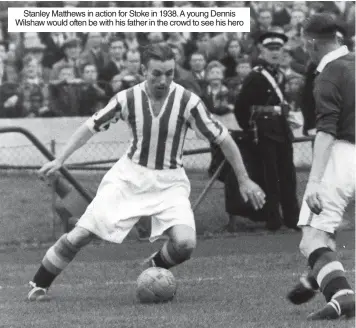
(33, 202)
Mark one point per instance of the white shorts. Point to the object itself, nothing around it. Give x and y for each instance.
(338, 189)
(129, 191)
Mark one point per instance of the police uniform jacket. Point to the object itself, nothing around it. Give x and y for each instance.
(257, 91)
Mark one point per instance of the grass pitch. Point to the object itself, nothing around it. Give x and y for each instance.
(231, 282)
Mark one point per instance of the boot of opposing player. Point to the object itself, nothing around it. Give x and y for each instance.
(339, 306)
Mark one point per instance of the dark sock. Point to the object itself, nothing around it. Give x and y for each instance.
(43, 278)
(328, 272)
(170, 256)
(160, 262)
(55, 261)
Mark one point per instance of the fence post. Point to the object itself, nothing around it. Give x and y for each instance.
(53, 194)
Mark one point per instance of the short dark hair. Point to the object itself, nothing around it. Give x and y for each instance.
(157, 51)
(320, 26)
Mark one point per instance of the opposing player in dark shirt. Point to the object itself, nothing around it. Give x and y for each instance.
(331, 183)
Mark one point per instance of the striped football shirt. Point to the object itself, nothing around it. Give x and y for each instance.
(157, 141)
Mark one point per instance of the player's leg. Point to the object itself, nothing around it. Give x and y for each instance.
(56, 260)
(329, 274)
(307, 287)
(178, 249)
(317, 244)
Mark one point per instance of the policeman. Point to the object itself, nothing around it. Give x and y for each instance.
(262, 112)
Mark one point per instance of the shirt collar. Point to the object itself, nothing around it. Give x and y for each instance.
(331, 56)
(171, 87)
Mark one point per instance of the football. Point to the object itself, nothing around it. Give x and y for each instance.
(156, 285)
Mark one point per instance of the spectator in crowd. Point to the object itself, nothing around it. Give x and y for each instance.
(249, 46)
(217, 44)
(116, 63)
(64, 93)
(293, 29)
(53, 42)
(294, 86)
(197, 64)
(281, 15)
(216, 100)
(176, 38)
(10, 106)
(287, 61)
(93, 96)
(116, 83)
(264, 23)
(234, 83)
(232, 57)
(131, 75)
(33, 92)
(131, 41)
(37, 51)
(302, 5)
(8, 69)
(30, 38)
(215, 95)
(202, 45)
(71, 49)
(182, 76)
(155, 37)
(93, 52)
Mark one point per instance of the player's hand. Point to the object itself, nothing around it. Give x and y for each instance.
(251, 192)
(312, 197)
(50, 168)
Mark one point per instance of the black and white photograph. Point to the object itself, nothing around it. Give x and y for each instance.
(181, 164)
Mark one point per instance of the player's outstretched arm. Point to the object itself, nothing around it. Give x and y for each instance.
(77, 140)
(250, 191)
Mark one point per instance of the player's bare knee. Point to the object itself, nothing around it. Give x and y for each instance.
(313, 239)
(79, 237)
(185, 245)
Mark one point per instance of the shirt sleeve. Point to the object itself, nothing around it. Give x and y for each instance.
(328, 106)
(205, 125)
(111, 113)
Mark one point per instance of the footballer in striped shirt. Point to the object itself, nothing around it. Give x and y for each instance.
(149, 180)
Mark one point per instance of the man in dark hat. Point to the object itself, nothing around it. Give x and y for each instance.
(261, 108)
(331, 184)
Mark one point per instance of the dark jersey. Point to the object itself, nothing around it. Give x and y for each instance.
(334, 93)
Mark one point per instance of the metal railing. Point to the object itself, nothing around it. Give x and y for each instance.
(38, 144)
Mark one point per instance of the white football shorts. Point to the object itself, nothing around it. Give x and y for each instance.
(129, 191)
(338, 189)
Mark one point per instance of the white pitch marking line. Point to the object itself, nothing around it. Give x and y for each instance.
(191, 280)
